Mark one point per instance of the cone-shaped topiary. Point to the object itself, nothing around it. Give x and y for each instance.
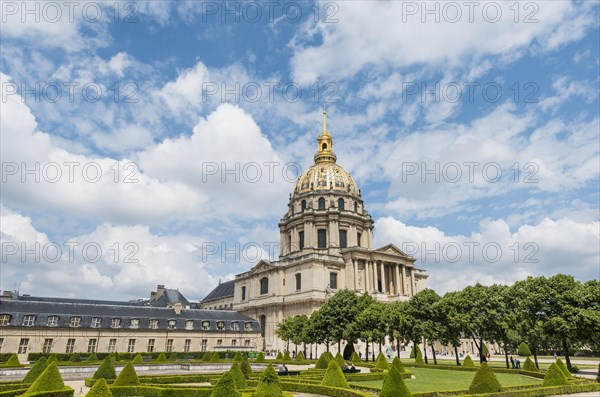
(563, 368)
(322, 362)
(138, 359)
(523, 350)
(225, 387)
(484, 381)
(355, 358)
(300, 356)
(529, 365)
(381, 362)
(173, 357)
(92, 357)
(419, 358)
(237, 357)
(396, 363)
(127, 377)
(75, 357)
(413, 352)
(100, 389)
(35, 370)
(484, 349)
(260, 358)
(161, 358)
(113, 357)
(206, 357)
(279, 356)
(214, 357)
(330, 355)
(340, 360)
(286, 356)
(49, 380)
(51, 359)
(554, 376)
(106, 370)
(238, 375)
(468, 362)
(393, 385)
(268, 386)
(246, 368)
(334, 376)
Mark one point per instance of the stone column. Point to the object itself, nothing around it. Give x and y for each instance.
(375, 276)
(368, 276)
(383, 283)
(355, 268)
(398, 280)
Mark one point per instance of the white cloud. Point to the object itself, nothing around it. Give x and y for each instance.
(494, 253)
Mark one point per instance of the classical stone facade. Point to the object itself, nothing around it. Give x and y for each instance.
(325, 245)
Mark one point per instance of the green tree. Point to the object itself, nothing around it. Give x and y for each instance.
(450, 324)
(285, 331)
(373, 325)
(523, 350)
(422, 311)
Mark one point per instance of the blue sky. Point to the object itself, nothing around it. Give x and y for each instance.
(472, 131)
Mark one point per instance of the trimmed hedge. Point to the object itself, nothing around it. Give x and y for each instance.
(173, 357)
(468, 362)
(100, 388)
(35, 371)
(529, 365)
(106, 370)
(225, 387)
(523, 350)
(381, 362)
(214, 357)
(238, 376)
(237, 357)
(419, 357)
(393, 385)
(246, 368)
(64, 392)
(563, 368)
(13, 361)
(49, 380)
(207, 357)
(322, 362)
(161, 358)
(300, 356)
(484, 381)
(279, 356)
(334, 376)
(75, 358)
(92, 357)
(554, 376)
(286, 356)
(355, 358)
(321, 390)
(155, 391)
(138, 359)
(547, 391)
(127, 377)
(260, 358)
(340, 360)
(269, 385)
(396, 363)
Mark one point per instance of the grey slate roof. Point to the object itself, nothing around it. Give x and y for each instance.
(170, 296)
(223, 290)
(18, 309)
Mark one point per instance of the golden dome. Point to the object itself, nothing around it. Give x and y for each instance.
(325, 174)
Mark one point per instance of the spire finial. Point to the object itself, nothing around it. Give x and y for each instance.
(324, 120)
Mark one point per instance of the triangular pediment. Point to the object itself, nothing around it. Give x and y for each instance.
(392, 250)
(261, 266)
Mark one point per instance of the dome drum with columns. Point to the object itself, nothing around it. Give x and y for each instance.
(325, 245)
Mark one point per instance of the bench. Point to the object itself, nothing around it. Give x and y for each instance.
(288, 373)
(351, 371)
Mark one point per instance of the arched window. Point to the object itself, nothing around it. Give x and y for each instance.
(321, 238)
(263, 324)
(341, 204)
(324, 146)
(303, 205)
(264, 285)
(321, 203)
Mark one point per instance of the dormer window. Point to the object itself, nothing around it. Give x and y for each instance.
(115, 323)
(205, 325)
(53, 321)
(96, 322)
(248, 326)
(235, 326)
(189, 324)
(4, 319)
(75, 321)
(172, 324)
(134, 323)
(220, 325)
(29, 320)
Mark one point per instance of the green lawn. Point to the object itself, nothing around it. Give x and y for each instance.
(429, 380)
(502, 364)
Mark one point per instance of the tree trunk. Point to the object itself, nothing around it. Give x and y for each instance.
(506, 353)
(398, 347)
(456, 355)
(340, 346)
(534, 351)
(367, 351)
(327, 344)
(480, 349)
(433, 353)
(372, 351)
(425, 351)
(566, 348)
(379, 346)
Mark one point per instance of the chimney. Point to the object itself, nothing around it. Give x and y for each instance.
(177, 307)
(155, 295)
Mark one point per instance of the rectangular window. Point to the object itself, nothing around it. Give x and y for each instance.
(235, 326)
(4, 319)
(186, 345)
(150, 348)
(248, 326)
(23, 344)
(290, 242)
(189, 324)
(53, 321)
(220, 325)
(47, 346)
(244, 293)
(203, 345)
(112, 345)
(321, 238)
(172, 324)
(134, 323)
(298, 281)
(343, 239)
(333, 280)
(247, 342)
(96, 322)
(92, 345)
(234, 342)
(115, 323)
(301, 240)
(205, 325)
(131, 346)
(169, 347)
(153, 324)
(75, 321)
(70, 346)
(219, 342)
(29, 320)
(358, 238)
